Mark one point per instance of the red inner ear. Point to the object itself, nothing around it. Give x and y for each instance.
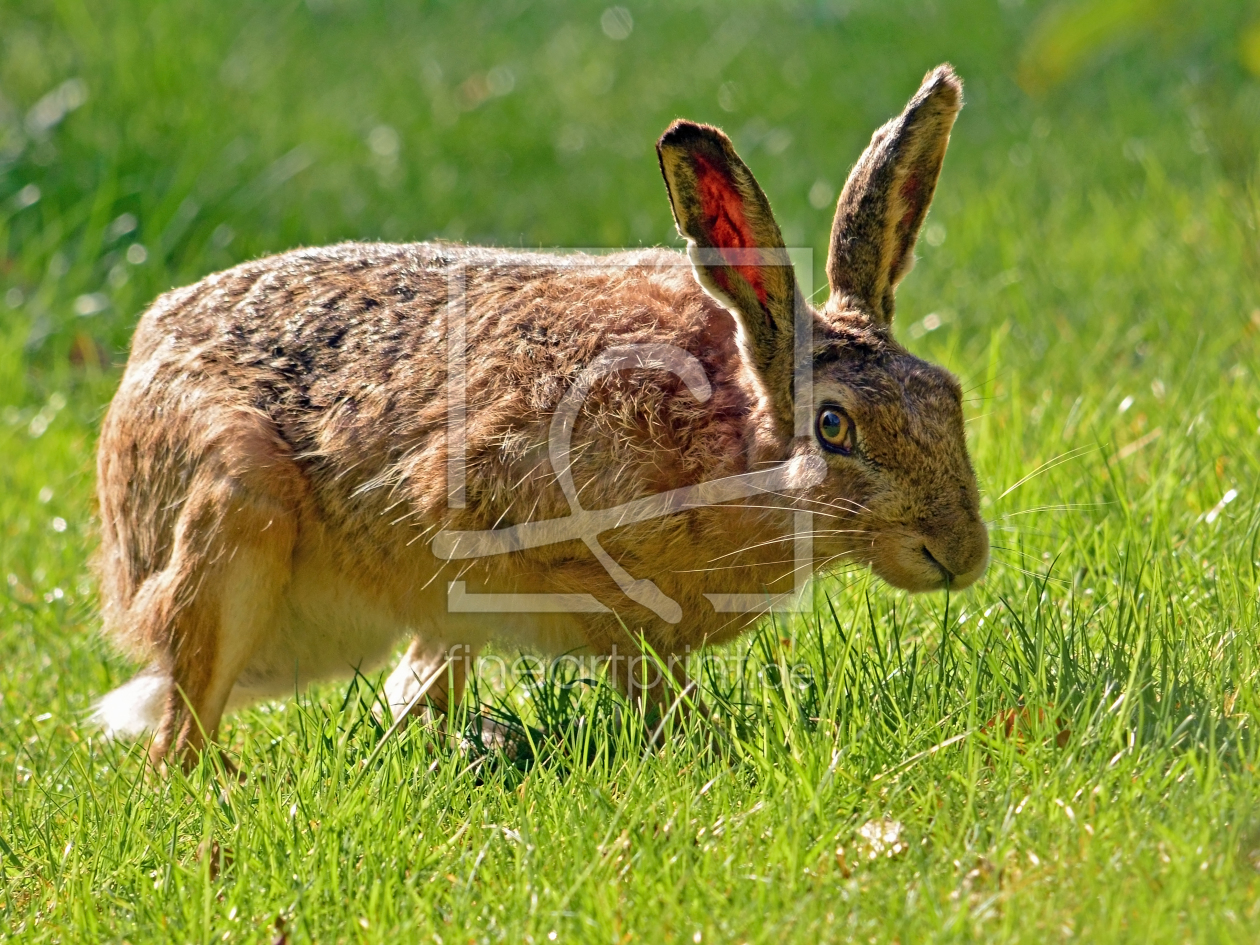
(725, 225)
(910, 194)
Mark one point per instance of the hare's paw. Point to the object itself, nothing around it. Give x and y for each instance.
(429, 678)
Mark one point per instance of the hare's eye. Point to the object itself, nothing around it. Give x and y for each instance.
(835, 430)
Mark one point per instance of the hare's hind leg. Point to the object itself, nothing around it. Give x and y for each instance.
(240, 586)
(212, 604)
(198, 524)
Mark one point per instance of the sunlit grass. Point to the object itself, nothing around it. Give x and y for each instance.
(1066, 750)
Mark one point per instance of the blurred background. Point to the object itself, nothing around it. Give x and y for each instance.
(145, 144)
(1090, 268)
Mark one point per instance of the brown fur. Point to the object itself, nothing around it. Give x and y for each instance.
(887, 196)
(274, 465)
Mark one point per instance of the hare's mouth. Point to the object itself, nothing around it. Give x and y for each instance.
(920, 574)
(946, 574)
(910, 562)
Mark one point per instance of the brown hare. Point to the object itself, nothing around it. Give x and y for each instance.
(313, 455)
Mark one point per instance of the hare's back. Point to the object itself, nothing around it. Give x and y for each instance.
(313, 326)
(347, 350)
(356, 329)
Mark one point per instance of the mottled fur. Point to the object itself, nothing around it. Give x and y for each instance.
(274, 465)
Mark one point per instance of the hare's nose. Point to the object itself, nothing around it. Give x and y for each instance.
(960, 555)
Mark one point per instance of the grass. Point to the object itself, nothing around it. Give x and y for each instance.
(1093, 269)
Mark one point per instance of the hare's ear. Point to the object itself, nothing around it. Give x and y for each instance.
(735, 246)
(887, 197)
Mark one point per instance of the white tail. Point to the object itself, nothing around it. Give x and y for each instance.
(133, 708)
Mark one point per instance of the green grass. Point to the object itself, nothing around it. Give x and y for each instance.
(1094, 266)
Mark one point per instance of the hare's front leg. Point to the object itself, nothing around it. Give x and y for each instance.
(443, 667)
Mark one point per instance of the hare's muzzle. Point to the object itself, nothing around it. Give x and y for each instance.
(932, 561)
(958, 557)
(962, 558)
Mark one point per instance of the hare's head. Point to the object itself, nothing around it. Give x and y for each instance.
(900, 494)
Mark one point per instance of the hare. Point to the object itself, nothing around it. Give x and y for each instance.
(314, 455)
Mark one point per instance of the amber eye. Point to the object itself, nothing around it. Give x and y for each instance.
(835, 430)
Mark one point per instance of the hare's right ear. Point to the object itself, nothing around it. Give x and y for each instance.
(735, 247)
(887, 196)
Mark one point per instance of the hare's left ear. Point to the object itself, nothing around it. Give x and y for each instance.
(887, 196)
(735, 247)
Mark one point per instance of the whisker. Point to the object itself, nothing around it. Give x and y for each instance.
(1050, 464)
(1038, 575)
(1016, 551)
(1068, 507)
(779, 508)
(852, 505)
(798, 566)
(778, 539)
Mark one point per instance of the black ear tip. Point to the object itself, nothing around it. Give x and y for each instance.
(688, 134)
(943, 80)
